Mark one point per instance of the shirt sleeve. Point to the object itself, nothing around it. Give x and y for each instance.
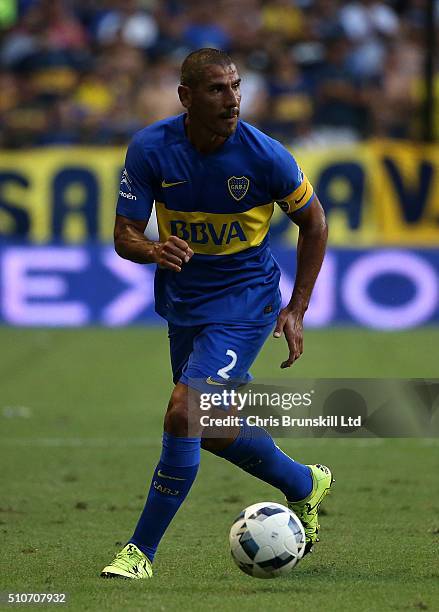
(290, 187)
(135, 192)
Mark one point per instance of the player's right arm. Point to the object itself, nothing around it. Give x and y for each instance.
(134, 206)
(131, 243)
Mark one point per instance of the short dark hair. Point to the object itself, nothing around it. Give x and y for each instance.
(195, 62)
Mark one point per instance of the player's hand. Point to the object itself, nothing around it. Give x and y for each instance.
(173, 253)
(290, 323)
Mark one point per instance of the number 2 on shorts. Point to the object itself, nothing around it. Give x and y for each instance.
(223, 371)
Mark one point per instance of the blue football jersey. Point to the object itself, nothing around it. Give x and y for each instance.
(221, 204)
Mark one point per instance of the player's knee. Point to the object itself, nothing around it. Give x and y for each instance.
(176, 419)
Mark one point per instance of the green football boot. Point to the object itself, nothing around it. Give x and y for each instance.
(307, 509)
(129, 563)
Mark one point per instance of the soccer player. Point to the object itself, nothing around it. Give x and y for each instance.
(214, 180)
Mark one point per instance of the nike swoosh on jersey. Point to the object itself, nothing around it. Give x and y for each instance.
(301, 198)
(165, 184)
(160, 473)
(210, 381)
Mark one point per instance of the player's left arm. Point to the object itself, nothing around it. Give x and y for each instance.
(311, 245)
(295, 195)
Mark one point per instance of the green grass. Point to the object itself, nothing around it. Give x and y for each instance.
(80, 418)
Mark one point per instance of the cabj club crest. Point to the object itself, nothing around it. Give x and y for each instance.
(238, 186)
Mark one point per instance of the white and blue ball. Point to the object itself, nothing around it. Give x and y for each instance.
(267, 540)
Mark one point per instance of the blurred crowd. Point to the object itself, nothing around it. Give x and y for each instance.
(314, 71)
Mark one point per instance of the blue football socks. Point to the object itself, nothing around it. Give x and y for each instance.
(255, 452)
(173, 477)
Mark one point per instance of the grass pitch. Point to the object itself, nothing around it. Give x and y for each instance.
(81, 418)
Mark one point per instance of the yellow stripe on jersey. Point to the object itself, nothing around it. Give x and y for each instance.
(215, 233)
(298, 199)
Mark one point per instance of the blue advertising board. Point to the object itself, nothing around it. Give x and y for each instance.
(83, 285)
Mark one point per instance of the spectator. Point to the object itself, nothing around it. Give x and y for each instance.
(284, 19)
(157, 97)
(369, 25)
(128, 22)
(94, 71)
(62, 30)
(340, 95)
(394, 106)
(22, 40)
(203, 30)
(290, 98)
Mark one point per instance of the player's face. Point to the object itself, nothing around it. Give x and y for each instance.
(214, 102)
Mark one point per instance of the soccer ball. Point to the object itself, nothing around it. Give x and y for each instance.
(267, 540)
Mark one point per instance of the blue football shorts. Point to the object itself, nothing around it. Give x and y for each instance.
(210, 354)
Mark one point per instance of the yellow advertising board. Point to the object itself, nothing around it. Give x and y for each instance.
(65, 194)
(340, 179)
(373, 193)
(405, 192)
